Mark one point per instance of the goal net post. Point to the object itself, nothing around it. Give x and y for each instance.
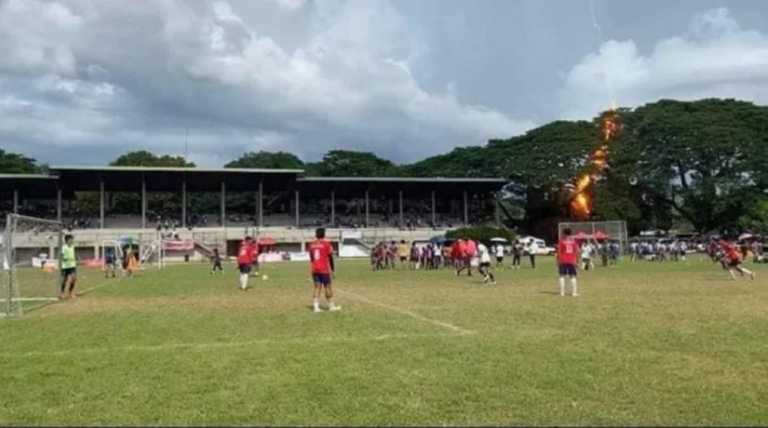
(31, 271)
(599, 231)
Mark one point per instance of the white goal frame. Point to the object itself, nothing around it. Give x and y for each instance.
(10, 285)
(616, 230)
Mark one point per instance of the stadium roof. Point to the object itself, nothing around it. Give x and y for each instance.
(170, 179)
(31, 186)
(411, 186)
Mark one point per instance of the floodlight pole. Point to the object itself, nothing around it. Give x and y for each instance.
(400, 196)
(15, 201)
(101, 204)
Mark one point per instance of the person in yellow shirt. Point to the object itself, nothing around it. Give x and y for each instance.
(403, 251)
(68, 269)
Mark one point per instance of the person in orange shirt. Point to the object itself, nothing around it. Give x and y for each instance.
(732, 259)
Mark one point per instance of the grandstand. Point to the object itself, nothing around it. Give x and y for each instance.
(217, 207)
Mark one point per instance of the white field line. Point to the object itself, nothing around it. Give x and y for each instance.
(219, 345)
(407, 312)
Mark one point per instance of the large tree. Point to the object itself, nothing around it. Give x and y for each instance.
(704, 160)
(14, 163)
(145, 158)
(345, 163)
(262, 159)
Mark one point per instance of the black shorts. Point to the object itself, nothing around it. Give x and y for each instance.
(499, 259)
(217, 264)
(323, 279)
(245, 268)
(733, 263)
(403, 259)
(567, 269)
(485, 264)
(67, 272)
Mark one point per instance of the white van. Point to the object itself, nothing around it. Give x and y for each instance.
(537, 246)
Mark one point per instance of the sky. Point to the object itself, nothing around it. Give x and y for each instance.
(83, 81)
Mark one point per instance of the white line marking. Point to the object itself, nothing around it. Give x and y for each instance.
(220, 345)
(31, 299)
(403, 311)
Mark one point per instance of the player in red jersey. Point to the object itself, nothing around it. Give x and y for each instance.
(732, 259)
(321, 259)
(254, 258)
(245, 257)
(567, 259)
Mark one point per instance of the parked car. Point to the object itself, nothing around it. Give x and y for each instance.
(537, 246)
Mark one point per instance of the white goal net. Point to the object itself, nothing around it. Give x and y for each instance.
(598, 231)
(30, 264)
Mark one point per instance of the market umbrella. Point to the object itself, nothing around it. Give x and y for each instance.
(501, 240)
(600, 235)
(745, 236)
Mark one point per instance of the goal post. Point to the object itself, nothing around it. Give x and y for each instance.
(30, 264)
(599, 231)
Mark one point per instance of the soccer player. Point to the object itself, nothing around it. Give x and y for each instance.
(403, 252)
(321, 259)
(110, 262)
(733, 258)
(499, 255)
(216, 262)
(567, 258)
(458, 253)
(255, 257)
(485, 264)
(245, 256)
(68, 269)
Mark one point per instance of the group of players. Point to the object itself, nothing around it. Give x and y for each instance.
(462, 253)
(321, 263)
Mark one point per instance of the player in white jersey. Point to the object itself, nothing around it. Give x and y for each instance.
(485, 263)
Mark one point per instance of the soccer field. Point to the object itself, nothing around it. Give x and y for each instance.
(648, 344)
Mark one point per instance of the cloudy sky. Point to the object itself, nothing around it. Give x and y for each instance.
(82, 81)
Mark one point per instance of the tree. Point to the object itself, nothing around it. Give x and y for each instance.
(756, 217)
(13, 163)
(145, 158)
(704, 160)
(262, 159)
(345, 163)
(460, 162)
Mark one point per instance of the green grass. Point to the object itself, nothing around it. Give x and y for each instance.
(645, 344)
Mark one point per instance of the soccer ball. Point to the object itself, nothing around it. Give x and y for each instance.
(264, 277)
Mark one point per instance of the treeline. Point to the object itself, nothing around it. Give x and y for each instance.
(701, 165)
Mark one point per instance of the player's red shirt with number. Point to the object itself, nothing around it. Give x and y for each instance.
(246, 254)
(320, 255)
(731, 252)
(567, 252)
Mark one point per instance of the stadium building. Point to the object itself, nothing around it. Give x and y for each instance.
(189, 211)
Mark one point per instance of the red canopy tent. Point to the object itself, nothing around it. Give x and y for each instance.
(581, 236)
(266, 241)
(601, 236)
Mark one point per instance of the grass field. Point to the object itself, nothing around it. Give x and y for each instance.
(645, 344)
